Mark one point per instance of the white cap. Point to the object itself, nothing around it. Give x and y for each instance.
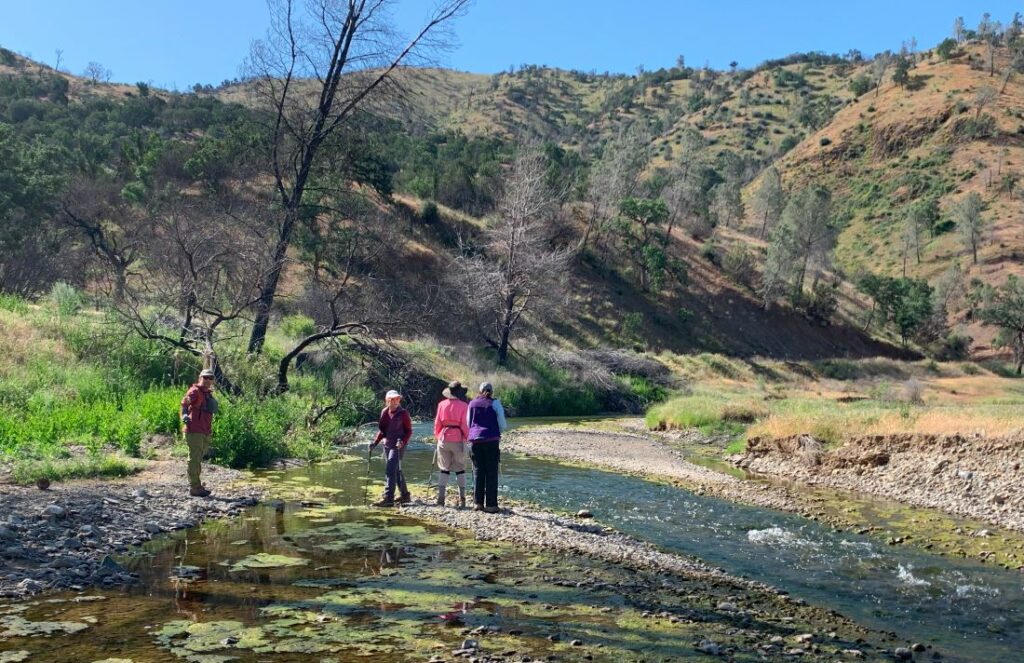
(392, 394)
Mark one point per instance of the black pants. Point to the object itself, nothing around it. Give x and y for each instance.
(486, 457)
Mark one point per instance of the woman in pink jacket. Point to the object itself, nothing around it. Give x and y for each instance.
(452, 432)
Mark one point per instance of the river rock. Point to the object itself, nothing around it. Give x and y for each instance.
(53, 512)
(903, 654)
(710, 647)
(726, 606)
(5, 533)
(140, 493)
(153, 528)
(917, 646)
(71, 543)
(469, 643)
(584, 513)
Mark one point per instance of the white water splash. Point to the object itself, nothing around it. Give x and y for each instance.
(777, 536)
(965, 591)
(906, 575)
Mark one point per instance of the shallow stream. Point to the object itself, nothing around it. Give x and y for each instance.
(316, 574)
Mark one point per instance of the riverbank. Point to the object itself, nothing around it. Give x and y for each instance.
(62, 538)
(974, 477)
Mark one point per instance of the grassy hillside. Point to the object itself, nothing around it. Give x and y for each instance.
(884, 152)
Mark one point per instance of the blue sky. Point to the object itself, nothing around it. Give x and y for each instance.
(181, 42)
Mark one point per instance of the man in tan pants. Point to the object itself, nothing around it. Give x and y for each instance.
(197, 409)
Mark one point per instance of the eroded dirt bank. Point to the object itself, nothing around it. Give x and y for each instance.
(973, 477)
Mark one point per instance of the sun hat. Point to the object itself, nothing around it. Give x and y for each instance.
(392, 394)
(454, 390)
(207, 373)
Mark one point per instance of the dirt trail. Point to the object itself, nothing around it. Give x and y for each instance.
(973, 477)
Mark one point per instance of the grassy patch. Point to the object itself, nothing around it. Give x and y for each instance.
(92, 465)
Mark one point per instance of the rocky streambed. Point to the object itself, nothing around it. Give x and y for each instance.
(66, 537)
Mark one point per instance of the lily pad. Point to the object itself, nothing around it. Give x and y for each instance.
(267, 561)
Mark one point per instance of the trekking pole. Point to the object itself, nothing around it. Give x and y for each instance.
(366, 482)
(433, 465)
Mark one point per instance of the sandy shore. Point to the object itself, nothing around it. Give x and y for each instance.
(61, 538)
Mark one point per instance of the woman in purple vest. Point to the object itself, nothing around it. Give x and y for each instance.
(486, 419)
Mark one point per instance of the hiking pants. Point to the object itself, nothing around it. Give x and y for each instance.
(198, 445)
(486, 457)
(393, 477)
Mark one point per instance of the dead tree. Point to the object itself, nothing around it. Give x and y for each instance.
(321, 62)
(520, 272)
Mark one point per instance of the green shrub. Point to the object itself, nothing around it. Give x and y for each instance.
(250, 432)
(838, 369)
(297, 326)
(67, 298)
(970, 369)
(13, 303)
(428, 212)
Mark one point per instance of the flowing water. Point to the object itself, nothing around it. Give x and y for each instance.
(293, 580)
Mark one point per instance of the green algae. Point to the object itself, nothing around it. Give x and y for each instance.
(13, 626)
(267, 561)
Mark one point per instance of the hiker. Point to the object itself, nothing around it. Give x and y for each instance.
(486, 419)
(395, 426)
(197, 410)
(451, 431)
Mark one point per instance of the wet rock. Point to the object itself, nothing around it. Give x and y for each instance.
(576, 643)
(903, 654)
(853, 653)
(140, 493)
(6, 534)
(469, 643)
(71, 543)
(726, 606)
(30, 586)
(584, 513)
(54, 512)
(153, 528)
(918, 647)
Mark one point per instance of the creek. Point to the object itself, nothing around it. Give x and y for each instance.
(284, 578)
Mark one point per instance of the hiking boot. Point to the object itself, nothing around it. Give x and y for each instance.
(405, 499)
(199, 491)
(491, 509)
(462, 498)
(441, 490)
(478, 507)
(384, 503)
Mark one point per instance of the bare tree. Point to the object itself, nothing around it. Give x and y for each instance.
(321, 62)
(982, 98)
(203, 272)
(347, 293)
(520, 273)
(958, 29)
(96, 72)
(115, 229)
(879, 67)
(60, 55)
(969, 222)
